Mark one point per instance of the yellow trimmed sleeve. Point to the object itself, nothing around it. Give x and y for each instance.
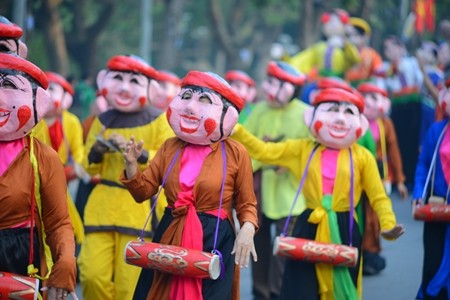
(73, 133)
(374, 189)
(285, 154)
(95, 129)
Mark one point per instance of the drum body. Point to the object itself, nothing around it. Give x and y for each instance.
(315, 252)
(173, 259)
(13, 286)
(432, 213)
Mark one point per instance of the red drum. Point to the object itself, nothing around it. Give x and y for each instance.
(432, 213)
(13, 286)
(315, 252)
(173, 259)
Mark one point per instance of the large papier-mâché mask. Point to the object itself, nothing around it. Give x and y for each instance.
(336, 125)
(23, 102)
(201, 116)
(124, 91)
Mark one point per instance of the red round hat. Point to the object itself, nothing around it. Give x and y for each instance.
(237, 75)
(168, 76)
(215, 83)
(55, 77)
(370, 88)
(14, 62)
(285, 72)
(131, 63)
(329, 82)
(9, 29)
(339, 95)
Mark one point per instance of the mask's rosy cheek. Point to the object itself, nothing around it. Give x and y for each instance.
(168, 114)
(23, 115)
(444, 106)
(358, 133)
(104, 92)
(142, 101)
(318, 125)
(210, 126)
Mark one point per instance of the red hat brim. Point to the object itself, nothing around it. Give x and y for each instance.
(14, 62)
(236, 75)
(55, 77)
(215, 83)
(369, 88)
(10, 30)
(339, 95)
(274, 70)
(128, 63)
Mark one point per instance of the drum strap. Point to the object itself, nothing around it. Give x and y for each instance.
(432, 169)
(216, 234)
(302, 182)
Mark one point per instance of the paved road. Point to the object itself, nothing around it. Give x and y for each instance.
(400, 279)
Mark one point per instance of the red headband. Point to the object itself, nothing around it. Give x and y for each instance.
(273, 69)
(168, 76)
(215, 83)
(339, 95)
(131, 63)
(10, 30)
(328, 82)
(56, 78)
(13, 62)
(236, 75)
(369, 88)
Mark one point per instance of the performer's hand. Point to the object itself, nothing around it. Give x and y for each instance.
(402, 190)
(415, 203)
(244, 245)
(59, 293)
(118, 140)
(131, 154)
(393, 233)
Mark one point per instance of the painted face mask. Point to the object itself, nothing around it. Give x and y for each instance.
(281, 83)
(376, 102)
(242, 84)
(23, 96)
(61, 93)
(170, 87)
(10, 34)
(206, 109)
(335, 119)
(128, 83)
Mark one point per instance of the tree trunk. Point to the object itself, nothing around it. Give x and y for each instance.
(54, 35)
(168, 57)
(83, 42)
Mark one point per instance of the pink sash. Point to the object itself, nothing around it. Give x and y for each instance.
(191, 163)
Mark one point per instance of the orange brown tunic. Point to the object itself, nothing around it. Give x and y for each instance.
(238, 194)
(15, 202)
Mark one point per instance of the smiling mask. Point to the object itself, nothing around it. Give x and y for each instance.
(335, 119)
(206, 109)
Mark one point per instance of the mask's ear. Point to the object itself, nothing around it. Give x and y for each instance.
(308, 115)
(66, 101)
(100, 77)
(23, 50)
(43, 103)
(154, 89)
(251, 94)
(364, 124)
(230, 120)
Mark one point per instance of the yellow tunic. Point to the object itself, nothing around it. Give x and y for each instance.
(71, 150)
(314, 59)
(112, 208)
(294, 155)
